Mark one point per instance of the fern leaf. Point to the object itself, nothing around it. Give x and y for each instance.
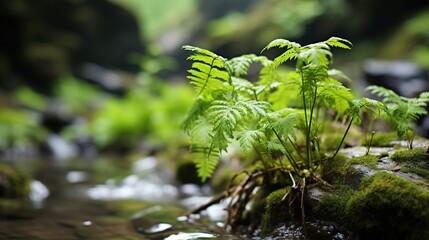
(281, 43)
(284, 122)
(202, 132)
(224, 116)
(250, 138)
(339, 42)
(335, 95)
(208, 71)
(240, 65)
(197, 110)
(257, 108)
(206, 160)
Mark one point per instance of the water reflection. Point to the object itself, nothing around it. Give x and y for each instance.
(38, 193)
(185, 236)
(134, 187)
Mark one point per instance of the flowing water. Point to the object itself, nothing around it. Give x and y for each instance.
(111, 198)
(106, 198)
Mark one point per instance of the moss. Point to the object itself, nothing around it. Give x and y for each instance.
(366, 160)
(389, 207)
(332, 207)
(12, 183)
(414, 161)
(334, 169)
(415, 155)
(275, 210)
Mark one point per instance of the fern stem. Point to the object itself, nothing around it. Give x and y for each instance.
(309, 155)
(344, 137)
(307, 134)
(288, 154)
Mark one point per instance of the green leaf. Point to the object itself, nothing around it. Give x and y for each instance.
(206, 160)
(339, 42)
(250, 138)
(208, 72)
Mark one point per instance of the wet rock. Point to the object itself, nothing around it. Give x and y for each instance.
(356, 173)
(403, 77)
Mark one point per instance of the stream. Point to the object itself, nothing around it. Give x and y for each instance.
(107, 198)
(112, 198)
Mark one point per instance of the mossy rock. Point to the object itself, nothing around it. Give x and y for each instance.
(365, 160)
(413, 161)
(276, 210)
(389, 207)
(12, 183)
(335, 169)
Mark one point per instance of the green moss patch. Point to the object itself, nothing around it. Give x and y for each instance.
(389, 207)
(276, 210)
(415, 161)
(365, 160)
(334, 169)
(12, 183)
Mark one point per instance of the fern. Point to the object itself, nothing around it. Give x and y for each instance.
(401, 111)
(208, 72)
(206, 160)
(267, 115)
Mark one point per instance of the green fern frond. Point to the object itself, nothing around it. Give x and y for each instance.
(240, 65)
(292, 52)
(284, 122)
(365, 104)
(208, 71)
(281, 43)
(250, 138)
(243, 86)
(335, 96)
(206, 160)
(226, 115)
(335, 73)
(197, 110)
(339, 42)
(202, 132)
(401, 111)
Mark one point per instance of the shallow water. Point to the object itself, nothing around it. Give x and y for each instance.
(108, 198)
(103, 199)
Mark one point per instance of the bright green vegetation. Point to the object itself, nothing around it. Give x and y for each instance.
(278, 117)
(281, 119)
(401, 111)
(278, 113)
(19, 129)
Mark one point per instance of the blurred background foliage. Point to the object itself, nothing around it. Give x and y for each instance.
(113, 72)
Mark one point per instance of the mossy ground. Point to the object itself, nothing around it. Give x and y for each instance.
(385, 207)
(389, 207)
(415, 161)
